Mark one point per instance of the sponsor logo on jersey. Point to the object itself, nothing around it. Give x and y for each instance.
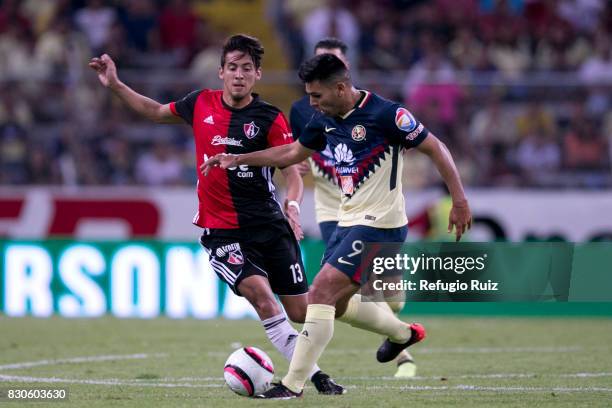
(344, 170)
(415, 133)
(358, 133)
(329, 129)
(220, 140)
(343, 155)
(346, 182)
(250, 129)
(225, 249)
(404, 120)
(209, 120)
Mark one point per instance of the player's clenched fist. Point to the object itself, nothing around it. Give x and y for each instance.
(106, 69)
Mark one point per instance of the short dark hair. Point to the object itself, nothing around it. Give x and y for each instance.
(324, 68)
(331, 43)
(246, 44)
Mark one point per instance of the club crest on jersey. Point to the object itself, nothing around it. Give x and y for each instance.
(235, 258)
(250, 129)
(404, 120)
(358, 133)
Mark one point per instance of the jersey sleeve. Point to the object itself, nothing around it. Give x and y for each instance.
(297, 121)
(279, 133)
(402, 127)
(186, 106)
(313, 137)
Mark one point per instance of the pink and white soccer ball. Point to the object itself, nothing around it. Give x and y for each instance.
(248, 371)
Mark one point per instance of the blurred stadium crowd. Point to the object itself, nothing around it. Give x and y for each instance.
(520, 89)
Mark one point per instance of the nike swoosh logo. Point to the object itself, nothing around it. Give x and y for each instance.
(329, 129)
(342, 261)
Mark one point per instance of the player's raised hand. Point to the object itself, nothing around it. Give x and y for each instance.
(106, 70)
(460, 218)
(222, 160)
(293, 216)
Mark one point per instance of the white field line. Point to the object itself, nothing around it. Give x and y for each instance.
(418, 378)
(108, 381)
(481, 376)
(448, 350)
(76, 360)
(462, 387)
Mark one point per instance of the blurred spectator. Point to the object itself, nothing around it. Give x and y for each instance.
(332, 20)
(509, 51)
(139, 20)
(494, 124)
(119, 156)
(11, 15)
(584, 148)
(60, 49)
(596, 72)
(159, 167)
(13, 153)
(383, 54)
(41, 13)
(96, 21)
(535, 119)
(466, 50)
(560, 49)
(501, 19)
(40, 168)
(17, 57)
(538, 155)
(178, 29)
(431, 90)
(582, 14)
(14, 106)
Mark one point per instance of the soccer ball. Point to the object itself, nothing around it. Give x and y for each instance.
(248, 371)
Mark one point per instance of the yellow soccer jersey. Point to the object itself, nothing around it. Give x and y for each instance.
(366, 145)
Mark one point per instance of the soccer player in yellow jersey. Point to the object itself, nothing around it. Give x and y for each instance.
(326, 193)
(366, 134)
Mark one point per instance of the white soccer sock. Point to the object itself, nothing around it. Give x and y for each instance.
(283, 337)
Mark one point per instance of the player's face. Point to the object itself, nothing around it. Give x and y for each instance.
(239, 75)
(325, 97)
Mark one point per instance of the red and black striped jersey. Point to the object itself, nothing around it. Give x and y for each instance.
(242, 196)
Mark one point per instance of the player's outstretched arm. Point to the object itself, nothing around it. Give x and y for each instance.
(278, 156)
(295, 191)
(147, 107)
(460, 216)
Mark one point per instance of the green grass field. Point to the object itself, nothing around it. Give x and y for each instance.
(468, 362)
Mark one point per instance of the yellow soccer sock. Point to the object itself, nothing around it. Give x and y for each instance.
(317, 332)
(369, 316)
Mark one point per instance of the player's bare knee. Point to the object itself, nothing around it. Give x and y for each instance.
(320, 293)
(296, 314)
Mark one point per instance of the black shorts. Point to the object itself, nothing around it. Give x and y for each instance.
(269, 250)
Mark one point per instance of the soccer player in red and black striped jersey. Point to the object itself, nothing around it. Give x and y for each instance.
(252, 244)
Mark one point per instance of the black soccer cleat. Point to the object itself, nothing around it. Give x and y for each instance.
(389, 350)
(325, 385)
(279, 392)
